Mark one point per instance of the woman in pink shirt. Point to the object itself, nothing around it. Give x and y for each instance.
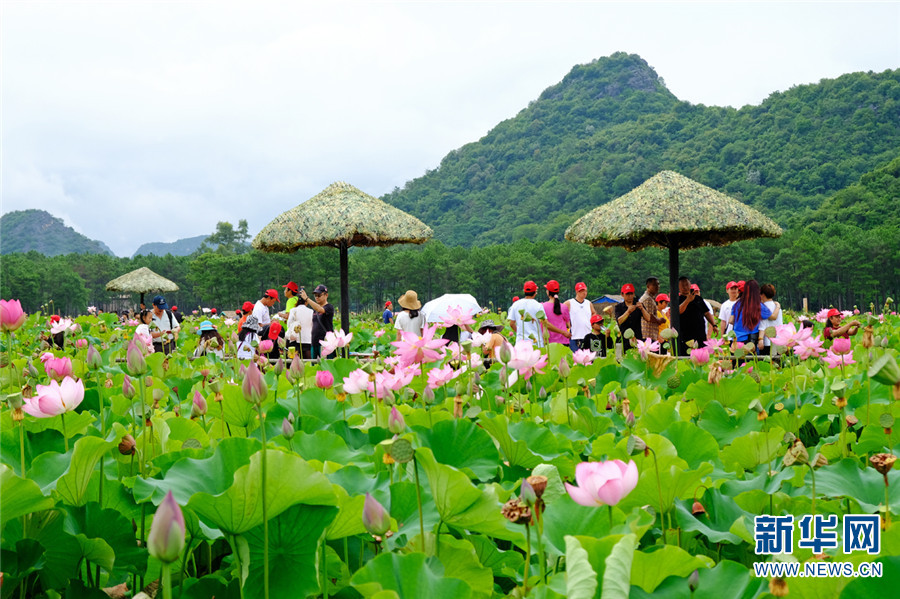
(558, 321)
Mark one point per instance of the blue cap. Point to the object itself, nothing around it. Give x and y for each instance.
(160, 302)
(207, 326)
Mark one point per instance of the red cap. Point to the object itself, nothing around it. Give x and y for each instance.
(627, 288)
(731, 284)
(274, 330)
(272, 293)
(247, 307)
(387, 303)
(552, 286)
(580, 287)
(174, 308)
(213, 310)
(834, 312)
(292, 286)
(54, 318)
(662, 297)
(740, 285)
(515, 298)
(529, 287)
(695, 287)
(596, 318)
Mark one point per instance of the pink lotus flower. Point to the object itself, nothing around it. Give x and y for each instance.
(58, 368)
(457, 316)
(811, 347)
(11, 315)
(837, 360)
(265, 346)
(334, 340)
(699, 356)
(145, 342)
(646, 347)
(714, 344)
(228, 322)
(396, 423)
(438, 377)
(61, 326)
(422, 350)
(92, 309)
(254, 385)
(841, 345)
(584, 357)
(822, 315)
(382, 385)
(134, 360)
(199, 405)
(324, 379)
(81, 343)
(55, 399)
(379, 333)
(603, 483)
(479, 340)
(846, 313)
(356, 382)
(526, 359)
(132, 322)
(47, 356)
(787, 335)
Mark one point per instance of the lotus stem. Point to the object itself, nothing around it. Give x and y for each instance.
(812, 474)
(262, 423)
(65, 436)
(659, 489)
(325, 569)
(527, 558)
(166, 580)
(419, 501)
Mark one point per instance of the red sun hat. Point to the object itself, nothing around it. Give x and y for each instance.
(529, 287)
(580, 286)
(273, 294)
(662, 297)
(292, 286)
(596, 318)
(552, 286)
(247, 307)
(627, 288)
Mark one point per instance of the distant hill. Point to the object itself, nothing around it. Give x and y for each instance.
(611, 124)
(182, 247)
(26, 230)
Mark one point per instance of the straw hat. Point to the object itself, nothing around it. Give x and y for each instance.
(410, 300)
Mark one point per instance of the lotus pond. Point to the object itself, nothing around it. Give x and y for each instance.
(421, 473)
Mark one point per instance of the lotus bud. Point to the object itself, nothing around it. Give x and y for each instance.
(504, 353)
(134, 360)
(528, 387)
(199, 408)
(629, 419)
(324, 379)
(254, 386)
(287, 429)
(128, 389)
(376, 519)
(265, 346)
(279, 366)
(884, 342)
(396, 423)
(428, 395)
(242, 371)
(127, 446)
(388, 398)
(166, 539)
(564, 368)
(158, 395)
(526, 493)
(694, 580)
(32, 371)
(148, 381)
(408, 394)
(635, 444)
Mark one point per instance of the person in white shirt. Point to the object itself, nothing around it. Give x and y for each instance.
(410, 319)
(300, 317)
(725, 311)
(247, 337)
(261, 308)
(580, 312)
(776, 319)
(526, 316)
(166, 326)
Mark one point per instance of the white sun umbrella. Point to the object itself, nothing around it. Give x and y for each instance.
(437, 309)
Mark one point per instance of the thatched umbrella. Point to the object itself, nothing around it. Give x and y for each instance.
(671, 211)
(142, 280)
(341, 216)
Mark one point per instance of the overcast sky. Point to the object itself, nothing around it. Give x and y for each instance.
(151, 121)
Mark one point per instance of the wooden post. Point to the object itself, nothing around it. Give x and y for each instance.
(805, 305)
(345, 289)
(674, 316)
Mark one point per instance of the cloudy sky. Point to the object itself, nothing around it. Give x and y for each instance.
(151, 121)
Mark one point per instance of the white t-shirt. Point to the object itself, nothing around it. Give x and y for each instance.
(245, 350)
(769, 322)
(580, 313)
(403, 322)
(303, 316)
(725, 314)
(532, 328)
(261, 312)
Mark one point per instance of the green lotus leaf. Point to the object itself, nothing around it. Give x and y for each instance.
(715, 524)
(19, 496)
(72, 486)
(650, 568)
(865, 486)
(462, 444)
(728, 580)
(409, 577)
(91, 522)
(750, 450)
(694, 445)
(581, 580)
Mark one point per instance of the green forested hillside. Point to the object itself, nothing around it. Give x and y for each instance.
(610, 125)
(27, 230)
(182, 247)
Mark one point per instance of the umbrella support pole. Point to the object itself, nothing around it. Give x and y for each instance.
(674, 316)
(345, 289)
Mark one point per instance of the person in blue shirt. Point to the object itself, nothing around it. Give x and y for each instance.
(387, 316)
(747, 313)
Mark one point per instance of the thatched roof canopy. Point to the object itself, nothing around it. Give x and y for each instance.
(341, 213)
(142, 280)
(671, 209)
